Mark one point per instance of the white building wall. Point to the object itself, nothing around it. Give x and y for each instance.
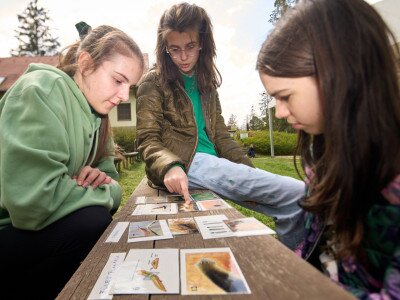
(114, 117)
(390, 12)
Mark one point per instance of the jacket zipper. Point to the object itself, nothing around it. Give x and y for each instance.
(315, 244)
(209, 116)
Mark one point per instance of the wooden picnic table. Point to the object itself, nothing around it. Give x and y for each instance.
(271, 270)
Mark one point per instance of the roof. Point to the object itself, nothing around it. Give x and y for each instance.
(11, 68)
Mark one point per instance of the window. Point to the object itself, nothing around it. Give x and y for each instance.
(124, 112)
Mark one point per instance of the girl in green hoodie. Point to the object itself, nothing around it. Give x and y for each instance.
(57, 176)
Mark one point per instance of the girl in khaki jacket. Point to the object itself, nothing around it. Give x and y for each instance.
(182, 134)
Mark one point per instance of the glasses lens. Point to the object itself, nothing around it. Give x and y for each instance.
(190, 50)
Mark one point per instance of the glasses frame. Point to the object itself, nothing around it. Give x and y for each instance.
(183, 50)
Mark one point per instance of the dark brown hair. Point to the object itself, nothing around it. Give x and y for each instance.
(102, 43)
(346, 46)
(182, 17)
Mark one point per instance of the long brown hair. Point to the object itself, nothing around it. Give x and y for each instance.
(182, 17)
(346, 45)
(101, 43)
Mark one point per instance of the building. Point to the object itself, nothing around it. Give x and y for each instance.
(389, 10)
(11, 68)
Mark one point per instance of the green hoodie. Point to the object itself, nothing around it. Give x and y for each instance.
(47, 131)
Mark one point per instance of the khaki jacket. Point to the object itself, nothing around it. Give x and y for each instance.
(167, 131)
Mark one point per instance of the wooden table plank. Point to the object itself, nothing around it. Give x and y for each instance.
(271, 270)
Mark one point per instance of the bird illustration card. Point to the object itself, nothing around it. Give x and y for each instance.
(148, 271)
(150, 199)
(156, 209)
(211, 271)
(218, 226)
(148, 231)
(212, 204)
(101, 289)
(206, 195)
(247, 226)
(182, 226)
(183, 207)
(212, 227)
(175, 199)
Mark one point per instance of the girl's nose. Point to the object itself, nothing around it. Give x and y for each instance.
(183, 55)
(281, 109)
(124, 93)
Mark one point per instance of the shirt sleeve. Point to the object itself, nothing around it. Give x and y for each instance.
(159, 159)
(36, 186)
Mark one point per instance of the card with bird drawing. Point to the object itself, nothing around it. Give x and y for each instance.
(212, 204)
(204, 195)
(192, 206)
(248, 226)
(182, 226)
(148, 271)
(211, 271)
(150, 199)
(175, 199)
(148, 231)
(156, 209)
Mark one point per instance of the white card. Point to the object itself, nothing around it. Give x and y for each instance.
(247, 227)
(212, 204)
(212, 227)
(148, 271)
(156, 209)
(103, 284)
(117, 232)
(148, 231)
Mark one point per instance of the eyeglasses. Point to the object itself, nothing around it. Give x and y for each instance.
(190, 50)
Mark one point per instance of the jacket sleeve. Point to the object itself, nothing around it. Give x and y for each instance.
(391, 280)
(106, 164)
(226, 146)
(36, 183)
(150, 121)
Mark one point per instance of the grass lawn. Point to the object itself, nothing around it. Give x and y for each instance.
(131, 177)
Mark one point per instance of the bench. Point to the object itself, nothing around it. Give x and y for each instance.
(271, 270)
(117, 162)
(131, 156)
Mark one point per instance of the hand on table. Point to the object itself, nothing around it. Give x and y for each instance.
(176, 181)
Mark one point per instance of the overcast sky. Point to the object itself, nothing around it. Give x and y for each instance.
(240, 27)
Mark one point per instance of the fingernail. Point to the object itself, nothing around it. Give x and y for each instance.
(85, 184)
(79, 182)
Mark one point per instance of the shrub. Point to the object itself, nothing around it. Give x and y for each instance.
(284, 143)
(125, 137)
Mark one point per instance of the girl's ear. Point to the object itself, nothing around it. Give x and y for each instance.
(85, 62)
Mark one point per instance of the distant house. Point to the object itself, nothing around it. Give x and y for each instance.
(390, 13)
(11, 68)
(232, 130)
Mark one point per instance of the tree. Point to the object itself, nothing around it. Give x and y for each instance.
(280, 8)
(33, 34)
(232, 122)
(255, 122)
(277, 124)
(281, 124)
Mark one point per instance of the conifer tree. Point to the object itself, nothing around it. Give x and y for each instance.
(280, 8)
(33, 33)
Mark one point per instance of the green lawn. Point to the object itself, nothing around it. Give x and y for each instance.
(132, 176)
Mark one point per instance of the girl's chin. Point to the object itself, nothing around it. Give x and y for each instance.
(186, 69)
